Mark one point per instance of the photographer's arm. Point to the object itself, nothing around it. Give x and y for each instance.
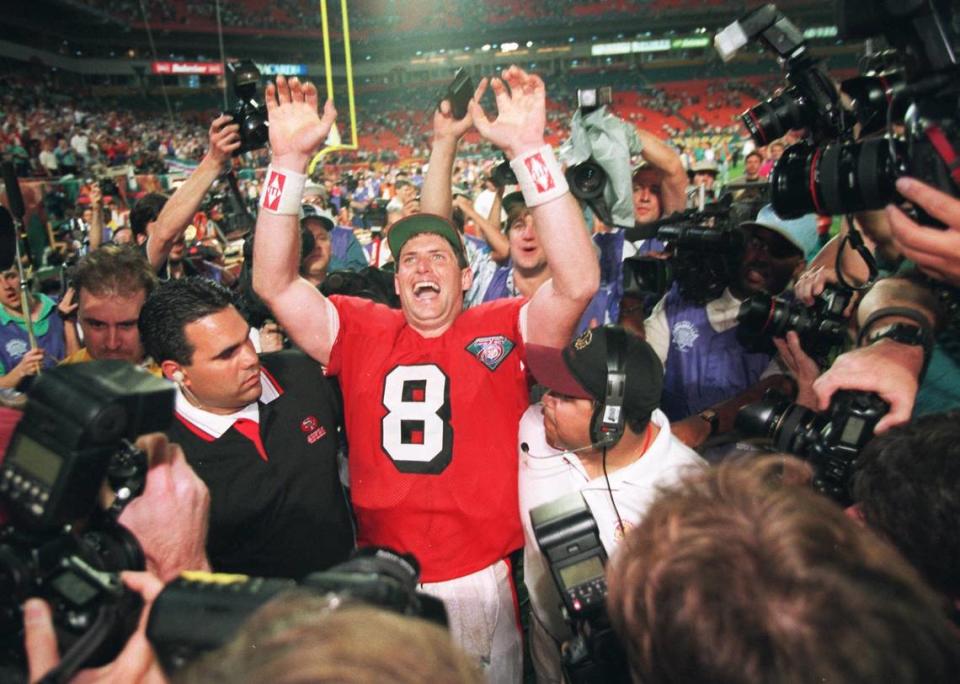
(555, 308)
(96, 217)
(435, 197)
(179, 210)
(889, 368)
(660, 156)
(296, 132)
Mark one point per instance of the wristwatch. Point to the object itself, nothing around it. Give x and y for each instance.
(713, 418)
(904, 333)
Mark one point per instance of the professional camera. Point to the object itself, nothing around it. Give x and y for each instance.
(76, 434)
(832, 174)
(705, 247)
(821, 327)
(221, 603)
(502, 175)
(590, 99)
(249, 114)
(567, 535)
(830, 441)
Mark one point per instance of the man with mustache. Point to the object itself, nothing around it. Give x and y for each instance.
(704, 363)
(260, 431)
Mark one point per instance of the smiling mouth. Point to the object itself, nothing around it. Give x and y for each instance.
(426, 290)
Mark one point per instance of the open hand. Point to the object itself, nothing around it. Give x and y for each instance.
(296, 129)
(521, 112)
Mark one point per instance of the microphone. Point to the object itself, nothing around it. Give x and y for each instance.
(525, 448)
(14, 198)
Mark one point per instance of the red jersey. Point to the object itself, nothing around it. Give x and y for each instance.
(432, 427)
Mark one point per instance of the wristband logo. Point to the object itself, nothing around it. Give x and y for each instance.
(542, 178)
(271, 197)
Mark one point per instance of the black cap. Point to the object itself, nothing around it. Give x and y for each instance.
(580, 370)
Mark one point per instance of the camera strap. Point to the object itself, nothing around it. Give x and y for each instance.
(942, 145)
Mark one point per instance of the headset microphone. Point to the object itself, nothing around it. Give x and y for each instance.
(525, 448)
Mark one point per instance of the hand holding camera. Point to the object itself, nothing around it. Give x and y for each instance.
(935, 252)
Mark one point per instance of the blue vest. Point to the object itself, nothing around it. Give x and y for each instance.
(48, 330)
(703, 367)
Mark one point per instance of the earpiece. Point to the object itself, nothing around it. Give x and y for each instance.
(177, 377)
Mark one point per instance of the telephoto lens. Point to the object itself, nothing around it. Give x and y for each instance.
(839, 178)
(772, 118)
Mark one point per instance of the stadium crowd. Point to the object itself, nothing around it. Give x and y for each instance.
(418, 345)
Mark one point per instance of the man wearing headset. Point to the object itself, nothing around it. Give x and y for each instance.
(597, 431)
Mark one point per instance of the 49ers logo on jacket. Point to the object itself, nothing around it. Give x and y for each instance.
(416, 432)
(312, 428)
(491, 351)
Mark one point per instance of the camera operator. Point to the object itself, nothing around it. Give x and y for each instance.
(559, 455)
(159, 221)
(744, 575)
(260, 431)
(704, 362)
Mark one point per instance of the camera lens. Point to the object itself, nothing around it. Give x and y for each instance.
(586, 180)
(839, 178)
(772, 118)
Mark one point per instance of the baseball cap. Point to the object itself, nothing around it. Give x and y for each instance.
(801, 232)
(580, 370)
(705, 166)
(310, 211)
(415, 224)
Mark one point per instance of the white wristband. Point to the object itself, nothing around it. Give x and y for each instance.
(282, 191)
(539, 176)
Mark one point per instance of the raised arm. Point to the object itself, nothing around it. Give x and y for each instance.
(296, 132)
(96, 217)
(183, 204)
(498, 242)
(435, 196)
(660, 156)
(555, 308)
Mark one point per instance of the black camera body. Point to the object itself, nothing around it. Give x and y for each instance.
(247, 113)
(75, 435)
(705, 251)
(221, 603)
(567, 535)
(821, 327)
(830, 441)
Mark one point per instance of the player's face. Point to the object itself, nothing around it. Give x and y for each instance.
(430, 283)
(525, 250)
(646, 196)
(566, 421)
(109, 325)
(224, 372)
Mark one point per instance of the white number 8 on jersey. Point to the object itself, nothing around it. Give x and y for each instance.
(416, 431)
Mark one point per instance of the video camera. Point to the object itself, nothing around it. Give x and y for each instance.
(249, 114)
(831, 173)
(221, 603)
(706, 248)
(821, 327)
(568, 537)
(830, 441)
(76, 434)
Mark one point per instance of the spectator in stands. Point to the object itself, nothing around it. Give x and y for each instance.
(401, 482)
(48, 159)
(404, 193)
(343, 251)
(560, 454)
(66, 157)
(159, 221)
(774, 152)
(751, 174)
(260, 431)
(112, 284)
(704, 363)
(751, 166)
(17, 359)
(741, 575)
